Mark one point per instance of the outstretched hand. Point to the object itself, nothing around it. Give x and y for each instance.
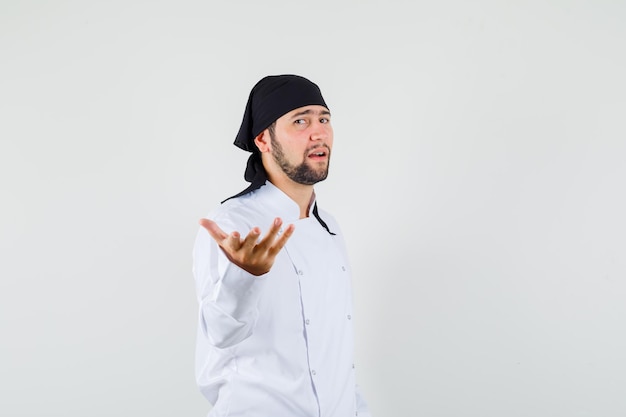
(256, 258)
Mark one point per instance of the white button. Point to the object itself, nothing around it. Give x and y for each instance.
(349, 317)
(300, 272)
(343, 268)
(307, 321)
(313, 372)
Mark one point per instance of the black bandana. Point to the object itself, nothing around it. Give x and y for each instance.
(271, 98)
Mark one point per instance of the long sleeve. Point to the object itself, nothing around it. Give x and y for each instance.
(227, 295)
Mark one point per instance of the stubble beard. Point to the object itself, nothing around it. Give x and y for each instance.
(301, 173)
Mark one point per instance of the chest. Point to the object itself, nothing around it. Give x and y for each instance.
(311, 277)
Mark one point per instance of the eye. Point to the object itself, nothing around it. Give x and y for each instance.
(324, 120)
(299, 122)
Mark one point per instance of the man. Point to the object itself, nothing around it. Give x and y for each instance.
(275, 334)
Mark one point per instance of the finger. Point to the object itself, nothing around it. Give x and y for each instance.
(214, 230)
(232, 242)
(282, 240)
(251, 239)
(269, 238)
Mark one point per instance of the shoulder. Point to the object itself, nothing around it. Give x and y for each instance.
(236, 214)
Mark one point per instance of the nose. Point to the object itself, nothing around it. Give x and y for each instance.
(320, 131)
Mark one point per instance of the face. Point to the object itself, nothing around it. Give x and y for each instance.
(301, 144)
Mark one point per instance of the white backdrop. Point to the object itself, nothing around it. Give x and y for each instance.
(478, 174)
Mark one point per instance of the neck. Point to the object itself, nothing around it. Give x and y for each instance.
(303, 195)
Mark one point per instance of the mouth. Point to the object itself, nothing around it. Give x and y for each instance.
(319, 154)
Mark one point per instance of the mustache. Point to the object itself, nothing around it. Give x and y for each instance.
(314, 148)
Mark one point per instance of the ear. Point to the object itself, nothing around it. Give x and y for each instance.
(262, 141)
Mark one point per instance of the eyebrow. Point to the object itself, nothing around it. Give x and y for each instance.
(309, 111)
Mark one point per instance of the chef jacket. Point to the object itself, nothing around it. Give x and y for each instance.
(279, 344)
